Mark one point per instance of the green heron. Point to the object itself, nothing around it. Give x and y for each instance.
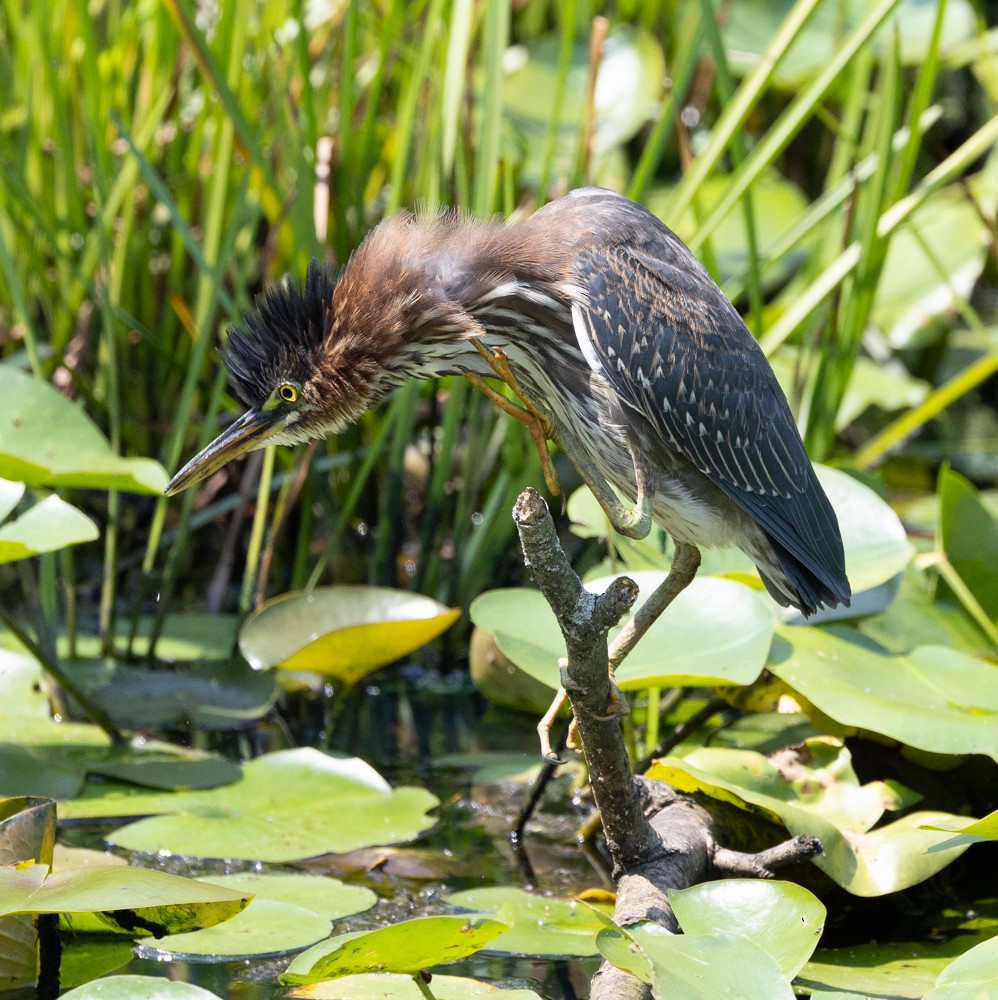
(618, 343)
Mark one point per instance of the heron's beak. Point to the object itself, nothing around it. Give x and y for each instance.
(249, 432)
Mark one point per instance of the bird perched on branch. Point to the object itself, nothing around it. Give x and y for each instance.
(616, 341)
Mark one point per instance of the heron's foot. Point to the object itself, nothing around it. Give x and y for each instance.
(617, 705)
(544, 728)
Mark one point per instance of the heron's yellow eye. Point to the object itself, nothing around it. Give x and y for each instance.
(288, 392)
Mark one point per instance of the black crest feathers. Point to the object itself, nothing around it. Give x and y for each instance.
(280, 337)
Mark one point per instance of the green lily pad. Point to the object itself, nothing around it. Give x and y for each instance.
(22, 686)
(933, 698)
(138, 988)
(538, 925)
(784, 919)
(932, 263)
(695, 966)
(126, 900)
(397, 986)
(776, 203)
(969, 537)
(628, 89)
(50, 525)
(344, 632)
(265, 929)
(46, 440)
(205, 696)
(289, 805)
(750, 27)
(828, 802)
(87, 957)
(10, 496)
(972, 975)
(715, 632)
(408, 946)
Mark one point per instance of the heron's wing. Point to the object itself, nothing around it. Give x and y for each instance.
(659, 330)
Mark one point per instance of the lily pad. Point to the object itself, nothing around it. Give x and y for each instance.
(828, 802)
(46, 440)
(343, 632)
(538, 925)
(205, 696)
(715, 632)
(628, 89)
(289, 805)
(751, 26)
(408, 946)
(933, 698)
(50, 525)
(126, 900)
(776, 203)
(969, 537)
(287, 913)
(138, 988)
(695, 966)
(397, 986)
(265, 929)
(968, 976)
(784, 919)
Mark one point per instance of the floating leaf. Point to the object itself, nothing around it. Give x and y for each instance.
(408, 946)
(776, 203)
(50, 525)
(138, 988)
(538, 925)
(628, 88)
(46, 440)
(205, 696)
(127, 900)
(289, 805)
(265, 929)
(287, 913)
(695, 966)
(715, 631)
(933, 698)
(344, 632)
(972, 975)
(750, 27)
(784, 919)
(969, 537)
(828, 802)
(397, 986)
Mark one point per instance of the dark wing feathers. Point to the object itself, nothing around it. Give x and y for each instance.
(671, 345)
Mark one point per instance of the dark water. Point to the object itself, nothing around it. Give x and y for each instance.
(405, 729)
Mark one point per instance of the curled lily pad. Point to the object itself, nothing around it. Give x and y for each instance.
(343, 632)
(828, 802)
(46, 440)
(125, 900)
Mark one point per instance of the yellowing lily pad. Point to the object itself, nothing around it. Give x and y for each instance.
(343, 632)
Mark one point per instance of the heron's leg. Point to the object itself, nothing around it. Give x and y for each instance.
(545, 724)
(634, 523)
(536, 422)
(685, 564)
